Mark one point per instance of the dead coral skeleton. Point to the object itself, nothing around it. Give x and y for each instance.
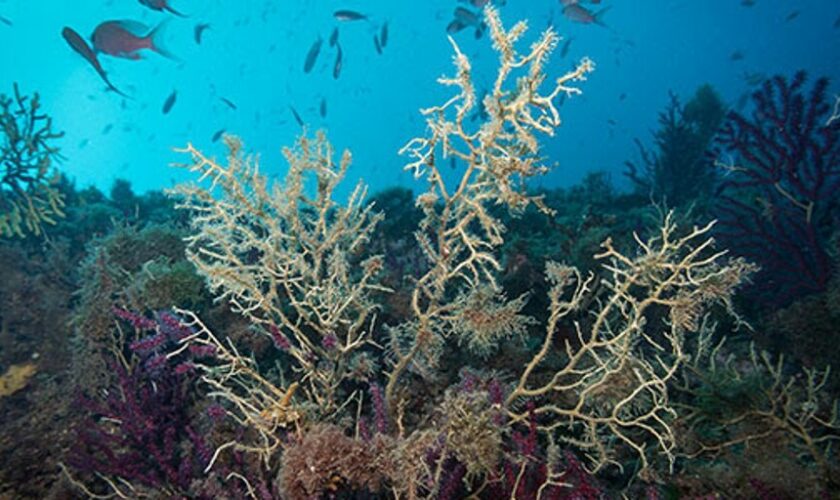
(611, 392)
(458, 234)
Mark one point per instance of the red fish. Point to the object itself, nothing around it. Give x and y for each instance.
(161, 5)
(79, 44)
(577, 13)
(126, 39)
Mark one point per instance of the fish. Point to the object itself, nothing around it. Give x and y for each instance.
(837, 22)
(229, 103)
(337, 65)
(298, 119)
(564, 50)
(747, 3)
(78, 44)
(455, 26)
(793, 15)
(736, 56)
(125, 39)
(312, 55)
(383, 34)
(322, 109)
(377, 45)
(161, 5)
(622, 97)
(169, 102)
(198, 30)
(467, 17)
(349, 15)
(6, 21)
(579, 14)
(217, 135)
(334, 37)
(107, 128)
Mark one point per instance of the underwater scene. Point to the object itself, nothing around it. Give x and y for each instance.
(454, 249)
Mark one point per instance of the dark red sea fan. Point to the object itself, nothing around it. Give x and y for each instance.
(779, 196)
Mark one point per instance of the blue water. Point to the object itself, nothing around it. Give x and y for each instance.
(254, 52)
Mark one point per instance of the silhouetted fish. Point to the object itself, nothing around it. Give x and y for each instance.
(107, 128)
(334, 37)
(736, 56)
(217, 135)
(349, 15)
(793, 15)
(837, 22)
(5, 21)
(170, 101)
(79, 44)
(581, 14)
(564, 50)
(312, 55)
(229, 103)
(161, 5)
(747, 3)
(298, 119)
(383, 34)
(199, 29)
(337, 65)
(322, 109)
(377, 45)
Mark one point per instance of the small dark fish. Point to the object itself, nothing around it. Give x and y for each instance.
(83, 143)
(582, 15)
(455, 26)
(298, 119)
(611, 122)
(736, 56)
(337, 65)
(349, 15)
(377, 45)
(170, 101)
(322, 109)
(837, 22)
(217, 135)
(467, 16)
(334, 37)
(793, 15)
(107, 128)
(564, 51)
(452, 162)
(5, 21)
(747, 3)
(229, 103)
(312, 55)
(161, 5)
(81, 47)
(622, 97)
(383, 34)
(198, 30)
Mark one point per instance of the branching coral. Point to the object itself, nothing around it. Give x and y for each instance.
(773, 406)
(610, 393)
(28, 195)
(284, 256)
(458, 233)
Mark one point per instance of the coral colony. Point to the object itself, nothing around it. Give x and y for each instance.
(319, 365)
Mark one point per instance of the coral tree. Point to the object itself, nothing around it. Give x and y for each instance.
(782, 185)
(28, 196)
